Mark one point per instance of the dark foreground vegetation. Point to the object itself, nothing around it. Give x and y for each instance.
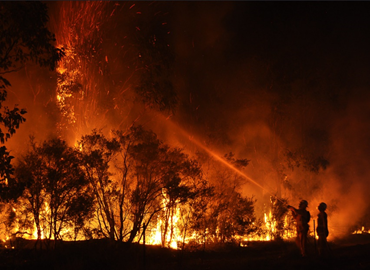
(352, 253)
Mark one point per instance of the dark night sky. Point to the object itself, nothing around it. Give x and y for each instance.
(230, 55)
(275, 43)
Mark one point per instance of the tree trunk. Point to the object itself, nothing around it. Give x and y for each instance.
(166, 226)
(134, 231)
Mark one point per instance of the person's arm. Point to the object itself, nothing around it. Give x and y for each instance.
(292, 209)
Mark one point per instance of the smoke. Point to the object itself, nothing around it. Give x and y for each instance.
(349, 176)
(33, 89)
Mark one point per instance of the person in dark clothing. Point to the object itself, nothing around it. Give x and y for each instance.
(322, 229)
(302, 218)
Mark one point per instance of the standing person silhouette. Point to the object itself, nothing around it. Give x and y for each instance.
(302, 218)
(322, 229)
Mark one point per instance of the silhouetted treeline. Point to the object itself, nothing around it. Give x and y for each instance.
(121, 185)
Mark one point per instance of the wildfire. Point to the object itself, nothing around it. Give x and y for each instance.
(81, 87)
(78, 146)
(269, 230)
(87, 91)
(173, 236)
(154, 235)
(361, 231)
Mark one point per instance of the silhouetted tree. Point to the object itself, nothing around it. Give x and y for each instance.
(182, 173)
(161, 180)
(279, 209)
(29, 174)
(55, 187)
(149, 157)
(97, 152)
(194, 214)
(23, 37)
(134, 176)
(228, 215)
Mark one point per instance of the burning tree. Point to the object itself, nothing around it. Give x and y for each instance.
(103, 75)
(55, 189)
(96, 154)
(228, 215)
(278, 211)
(161, 181)
(177, 191)
(195, 221)
(130, 183)
(135, 176)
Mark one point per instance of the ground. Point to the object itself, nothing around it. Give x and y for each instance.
(347, 254)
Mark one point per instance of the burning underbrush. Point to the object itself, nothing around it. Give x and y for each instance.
(131, 187)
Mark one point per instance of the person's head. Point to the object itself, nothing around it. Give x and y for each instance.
(322, 206)
(303, 204)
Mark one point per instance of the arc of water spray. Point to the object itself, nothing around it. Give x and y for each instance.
(226, 163)
(220, 159)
